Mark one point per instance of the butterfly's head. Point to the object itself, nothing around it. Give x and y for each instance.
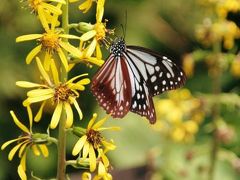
(118, 47)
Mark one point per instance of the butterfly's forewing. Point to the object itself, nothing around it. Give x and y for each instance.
(111, 87)
(161, 74)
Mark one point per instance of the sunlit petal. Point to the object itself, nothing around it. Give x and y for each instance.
(56, 116)
(18, 123)
(91, 48)
(85, 150)
(88, 35)
(68, 36)
(108, 145)
(39, 113)
(100, 123)
(77, 108)
(14, 150)
(79, 145)
(54, 72)
(101, 169)
(42, 18)
(30, 117)
(63, 58)
(35, 150)
(52, 8)
(47, 61)
(40, 92)
(31, 100)
(33, 53)
(10, 142)
(86, 176)
(98, 51)
(76, 77)
(92, 121)
(42, 71)
(21, 173)
(92, 159)
(68, 47)
(69, 113)
(26, 84)
(28, 37)
(44, 149)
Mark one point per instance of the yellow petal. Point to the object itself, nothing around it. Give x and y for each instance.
(47, 61)
(92, 159)
(58, 1)
(39, 113)
(13, 151)
(51, 8)
(93, 60)
(35, 150)
(79, 145)
(88, 35)
(44, 150)
(54, 72)
(28, 37)
(85, 151)
(113, 128)
(63, 58)
(26, 84)
(30, 117)
(108, 145)
(68, 36)
(84, 81)
(10, 142)
(68, 47)
(77, 108)
(101, 169)
(21, 173)
(56, 116)
(100, 123)
(42, 71)
(69, 113)
(100, 10)
(36, 99)
(23, 161)
(105, 160)
(76, 77)
(22, 150)
(40, 92)
(91, 122)
(86, 176)
(42, 18)
(91, 48)
(98, 51)
(85, 6)
(33, 53)
(18, 123)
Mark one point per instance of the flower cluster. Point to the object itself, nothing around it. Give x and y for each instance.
(180, 115)
(55, 56)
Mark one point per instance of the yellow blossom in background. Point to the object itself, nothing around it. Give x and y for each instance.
(63, 95)
(223, 7)
(188, 65)
(85, 6)
(44, 9)
(24, 143)
(235, 67)
(92, 141)
(51, 42)
(179, 115)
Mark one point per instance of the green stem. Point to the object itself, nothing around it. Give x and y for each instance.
(215, 110)
(61, 168)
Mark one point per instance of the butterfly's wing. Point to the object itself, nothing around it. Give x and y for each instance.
(159, 72)
(142, 102)
(111, 87)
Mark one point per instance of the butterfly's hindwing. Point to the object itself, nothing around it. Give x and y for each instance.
(111, 87)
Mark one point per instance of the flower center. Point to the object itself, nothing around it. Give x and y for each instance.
(94, 138)
(50, 41)
(101, 31)
(62, 93)
(33, 4)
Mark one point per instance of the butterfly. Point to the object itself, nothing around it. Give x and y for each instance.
(131, 76)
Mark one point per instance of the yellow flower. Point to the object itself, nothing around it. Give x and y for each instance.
(45, 7)
(188, 65)
(102, 170)
(61, 94)
(97, 35)
(86, 5)
(92, 141)
(235, 67)
(51, 42)
(24, 142)
(180, 115)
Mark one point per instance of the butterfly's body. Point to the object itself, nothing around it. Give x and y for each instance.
(130, 77)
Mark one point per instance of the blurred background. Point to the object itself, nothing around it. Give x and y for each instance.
(197, 131)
